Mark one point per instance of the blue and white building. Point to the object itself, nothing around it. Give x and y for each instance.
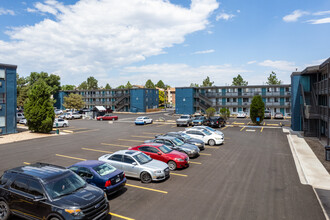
(8, 99)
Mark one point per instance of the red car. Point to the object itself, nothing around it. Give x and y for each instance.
(107, 117)
(173, 158)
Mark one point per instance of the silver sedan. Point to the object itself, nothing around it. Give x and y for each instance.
(138, 165)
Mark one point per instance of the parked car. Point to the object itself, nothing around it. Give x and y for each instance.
(278, 115)
(205, 135)
(199, 120)
(187, 139)
(45, 191)
(173, 158)
(184, 120)
(72, 115)
(19, 116)
(100, 174)
(267, 115)
(107, 117)
(23, 121)
(216, 121)
(241, 114)
(143, 120)
(137, 164)
(176, 144)
(212, 130)
(59, 122)
(58, 111)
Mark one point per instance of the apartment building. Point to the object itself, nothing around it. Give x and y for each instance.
(236, 98)
(8, 99)
(310, 100)
(126, 100)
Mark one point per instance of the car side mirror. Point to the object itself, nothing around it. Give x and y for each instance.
(134, 163)
(159, 153)
(39, 198)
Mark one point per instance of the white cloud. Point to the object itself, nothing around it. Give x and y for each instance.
(279, 65)
(204, 51)
(224, 16)
(294, 16)
(96, 36)
(251, 62)
(319, 13)
(319, 21)
(6, 12)
(238, 11)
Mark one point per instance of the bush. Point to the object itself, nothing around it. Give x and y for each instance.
(39, 110)
(225, 113)
(210, 112)
(257, 110)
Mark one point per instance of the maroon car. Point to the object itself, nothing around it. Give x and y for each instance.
(107, 117)
(173, 158)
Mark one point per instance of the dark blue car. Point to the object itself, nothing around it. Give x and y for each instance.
(100, 174)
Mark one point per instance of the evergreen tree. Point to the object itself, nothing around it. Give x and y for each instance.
(161, 84)
(257, 109)
(51, 80)
(272, 79)
(238, 81)
(128, 85)
(39, 110)
(150, 85)
(194, 85)
(83, 86)
(121, 87)
(107, 86)
(207, 82)
(92, 83)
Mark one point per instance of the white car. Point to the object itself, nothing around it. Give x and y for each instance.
(143, 120)
(58, 111)
(241, 114)
(23, 121)
(59, 122)
(72, 115)
(205, 135)
(19, 116)
(212, 130)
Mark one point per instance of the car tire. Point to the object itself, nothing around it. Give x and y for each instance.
(211, 142)
(172, 165)
(113, 119)
(145, 177)
(178, 125)
(4, 210)
(101, 119)
(64, 125)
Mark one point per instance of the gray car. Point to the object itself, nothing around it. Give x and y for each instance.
(176, 144)
(138, 165)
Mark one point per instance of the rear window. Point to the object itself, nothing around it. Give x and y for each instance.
(104, 169)
(4, 179)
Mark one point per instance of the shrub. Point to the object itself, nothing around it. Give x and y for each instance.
(225, 113)
(210, 112)
(257, 109)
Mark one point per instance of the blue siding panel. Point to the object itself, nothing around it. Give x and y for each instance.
(137, 101)
(184, 100)
(295, 104)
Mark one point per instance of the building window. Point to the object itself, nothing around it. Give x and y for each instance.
(234, 109)
(245, 99)
(287, 99)
(2, 121)
(275, 99)
(2, 74)
(234, 99)
(2, 98)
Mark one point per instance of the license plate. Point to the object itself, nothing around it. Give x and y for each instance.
(117, 180)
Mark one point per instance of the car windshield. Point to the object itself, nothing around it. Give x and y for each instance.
(177, 141)
(206, 132)
(104, 169)
(139, 118)
(185, 136)
(142, 158)
(199, 118)
(165, 149)
(211, 129)
(64, 185)
(184, 116)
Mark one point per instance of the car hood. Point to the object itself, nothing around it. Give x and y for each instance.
(81, 198)
(197, 120)
(182, 119)
(155, 165)
(189, 146)
(176, 154)
(194, 140)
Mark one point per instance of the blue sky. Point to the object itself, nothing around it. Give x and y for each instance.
(178, 41)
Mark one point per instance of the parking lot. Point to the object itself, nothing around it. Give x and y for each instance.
(251, 176)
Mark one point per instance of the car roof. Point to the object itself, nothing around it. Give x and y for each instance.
(151, 144)
(89, 163)
(127, 152)
(40, 170)
(166, 137)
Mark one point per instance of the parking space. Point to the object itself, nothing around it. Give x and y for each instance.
(251, 176)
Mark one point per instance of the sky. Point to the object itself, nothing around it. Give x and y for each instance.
(177, 41)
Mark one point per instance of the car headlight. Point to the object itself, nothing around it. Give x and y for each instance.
(157, 171)
(179, 159)
(199, 122)
(74, 211)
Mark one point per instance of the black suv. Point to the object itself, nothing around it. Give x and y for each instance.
(45, 191)
(216, 121)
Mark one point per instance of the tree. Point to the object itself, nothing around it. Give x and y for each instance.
(73, 101)
(257, 110)
(161, 95)
(207, 82)
(238, 81)
(68, 87)
(51, 80)
(22, 90)
(272, 79)
(210, 112)
(107, 86)
(161, 84)
(92, 83)
(150, 85)
(128, 85)
(194, 85)
(121, 87)
(225, 113)
(39, 110)
(83, 86)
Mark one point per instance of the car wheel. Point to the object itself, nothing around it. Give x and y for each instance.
(172, 165)
(178, 125)
(145, 177)
(113, 119)
(211, 142)
(101, 119)
(4, 210)
(64, 125)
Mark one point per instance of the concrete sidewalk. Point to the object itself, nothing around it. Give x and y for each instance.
(310, 170)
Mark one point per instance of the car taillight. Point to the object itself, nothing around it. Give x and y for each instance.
(217, 122)
(107, 183)
(124, 176)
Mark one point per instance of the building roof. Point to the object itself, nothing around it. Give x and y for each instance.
(100, 108)
(248, 86)
(9, 66)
